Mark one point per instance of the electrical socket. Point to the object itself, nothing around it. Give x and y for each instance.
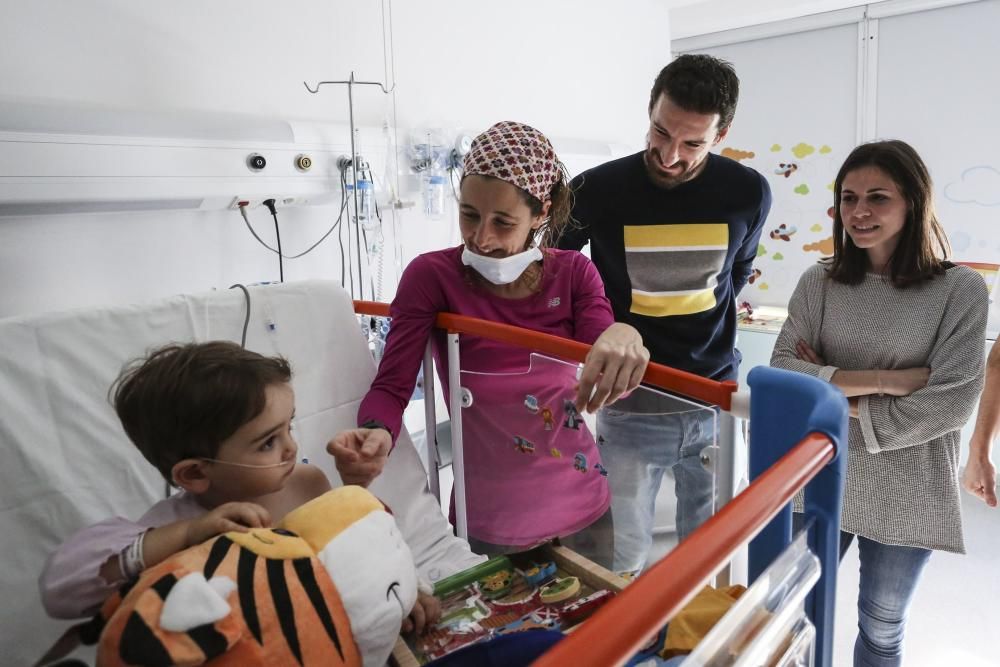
(257, 202)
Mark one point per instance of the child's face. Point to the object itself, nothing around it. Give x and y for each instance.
(260, 456)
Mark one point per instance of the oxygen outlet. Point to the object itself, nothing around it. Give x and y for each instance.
(256, 162)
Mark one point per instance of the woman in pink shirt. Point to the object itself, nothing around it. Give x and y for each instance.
(532, 469)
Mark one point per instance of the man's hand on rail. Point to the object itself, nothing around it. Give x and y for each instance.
(615, 365)
(360, 454)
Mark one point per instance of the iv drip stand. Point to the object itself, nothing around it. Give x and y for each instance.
(350, 83)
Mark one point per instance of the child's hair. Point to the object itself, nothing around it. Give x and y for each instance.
(184, 400)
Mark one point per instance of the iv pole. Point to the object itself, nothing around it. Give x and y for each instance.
(350, 83)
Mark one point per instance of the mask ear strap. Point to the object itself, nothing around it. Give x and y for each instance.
(536, 235)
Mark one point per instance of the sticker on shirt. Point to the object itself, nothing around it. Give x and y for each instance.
(555, 453)
(573, 418)
(601, 469)
(548, 418)
(580, 462)
(523, 445)
(674, 269)
(531, 403)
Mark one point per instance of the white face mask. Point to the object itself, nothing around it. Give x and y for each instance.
(501, 270)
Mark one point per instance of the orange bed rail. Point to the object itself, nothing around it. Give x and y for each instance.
(662, 377)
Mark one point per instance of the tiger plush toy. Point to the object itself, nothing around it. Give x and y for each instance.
(329, 586)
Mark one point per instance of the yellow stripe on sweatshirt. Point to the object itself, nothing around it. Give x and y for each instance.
(647, 238)
(665, 304)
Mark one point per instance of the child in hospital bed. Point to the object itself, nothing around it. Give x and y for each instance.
(216, 421)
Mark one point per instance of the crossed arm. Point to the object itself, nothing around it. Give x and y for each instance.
(899, 382)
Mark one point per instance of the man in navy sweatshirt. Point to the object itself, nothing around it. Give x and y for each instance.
(673, 231)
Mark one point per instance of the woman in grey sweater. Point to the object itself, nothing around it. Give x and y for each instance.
(900, 331)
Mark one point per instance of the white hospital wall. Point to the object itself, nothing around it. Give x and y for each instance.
(575, 70)
(707, 16)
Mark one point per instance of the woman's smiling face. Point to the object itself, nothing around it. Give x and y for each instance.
(494, 218)
(873, 210)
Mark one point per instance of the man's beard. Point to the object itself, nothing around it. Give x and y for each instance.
(662, 180)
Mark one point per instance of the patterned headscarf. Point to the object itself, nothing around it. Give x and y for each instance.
(516, 153)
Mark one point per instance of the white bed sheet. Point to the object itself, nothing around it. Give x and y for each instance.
(67, 462)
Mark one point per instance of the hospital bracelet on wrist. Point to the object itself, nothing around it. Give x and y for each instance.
(130, 560)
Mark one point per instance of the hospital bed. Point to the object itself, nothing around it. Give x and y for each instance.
(68, 464)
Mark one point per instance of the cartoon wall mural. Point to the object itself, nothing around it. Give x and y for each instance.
(824, 247)
(969, 211)
(976, 185)
(786, 169)
(783, 232)
(798, 231)
(736, 154)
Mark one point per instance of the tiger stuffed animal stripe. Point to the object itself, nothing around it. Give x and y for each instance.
(296, 592)
(331, 593)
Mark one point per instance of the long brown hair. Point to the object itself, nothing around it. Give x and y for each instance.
(559, 212)
(922, 246)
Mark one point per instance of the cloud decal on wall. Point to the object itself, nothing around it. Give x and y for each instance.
(803, 149)
(825, 246)
(736, 154)
(978, 185)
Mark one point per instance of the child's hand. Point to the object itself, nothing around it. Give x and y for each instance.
(239, 517)
(360, 454)
(426, 612)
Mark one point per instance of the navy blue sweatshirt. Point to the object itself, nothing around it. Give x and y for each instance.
(673, 261)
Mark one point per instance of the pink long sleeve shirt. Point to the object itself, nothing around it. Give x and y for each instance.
(532, 469)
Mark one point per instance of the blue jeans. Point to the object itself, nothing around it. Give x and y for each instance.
(637, 449)
(889, 575)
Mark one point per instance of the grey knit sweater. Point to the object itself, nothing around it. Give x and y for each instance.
(902, 483)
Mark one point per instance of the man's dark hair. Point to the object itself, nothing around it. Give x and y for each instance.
(184, 400)
(699, 83)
